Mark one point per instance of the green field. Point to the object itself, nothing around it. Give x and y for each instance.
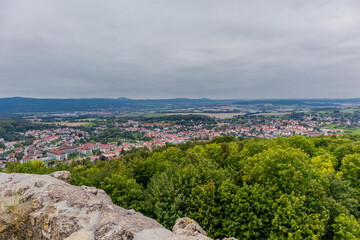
(324, 111)
(69, 124)
(90, 124)
(333, 126)
(352, 131)
(151, 115)
(145, 115)
(86, 120)
(349, 110)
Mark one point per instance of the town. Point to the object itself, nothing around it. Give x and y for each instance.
(64, 143)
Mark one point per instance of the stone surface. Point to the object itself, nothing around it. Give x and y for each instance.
(152, 233)
(48, 207)
(62, 175)
(188, 227)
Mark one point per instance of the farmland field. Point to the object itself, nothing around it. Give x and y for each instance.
(351, 110)
(272, 114)
(69, 124)
(216, 115)
(352, 131)
(333, 126)
(89, 124)
(142, 114)
(87, 120)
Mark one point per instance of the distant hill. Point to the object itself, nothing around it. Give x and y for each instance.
(299, 102)
(30, 105)
(26, 105)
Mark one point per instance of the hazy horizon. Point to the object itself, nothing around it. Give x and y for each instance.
(240, 99)
(180, 49)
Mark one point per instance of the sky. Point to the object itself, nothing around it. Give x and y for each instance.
(230, 49)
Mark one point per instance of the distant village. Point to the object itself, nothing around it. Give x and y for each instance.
(69, 144)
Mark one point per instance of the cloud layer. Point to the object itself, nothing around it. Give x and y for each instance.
(166, 49)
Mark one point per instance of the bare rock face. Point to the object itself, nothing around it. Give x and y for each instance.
(186, 228)
(48, 207)
(62, 175)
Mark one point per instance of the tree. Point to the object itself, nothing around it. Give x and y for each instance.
(124, 191)
(19, 156)
(37, 167)
(303, 143)
(292, 219)
(169, 191)
(350, 169)
(285, 170)
(246, 212)
(204, 209)
(17, 145)
(340, 152)
(346, 227)
(28, 142)
(73, 155)
(341, 191)
(325, 163)
(11, 167)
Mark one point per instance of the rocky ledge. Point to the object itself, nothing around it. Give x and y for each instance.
(48, 207)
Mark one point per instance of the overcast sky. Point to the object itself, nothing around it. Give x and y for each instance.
(180, 48)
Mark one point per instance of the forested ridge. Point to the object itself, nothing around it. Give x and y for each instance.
(9, 129)
(283, 188)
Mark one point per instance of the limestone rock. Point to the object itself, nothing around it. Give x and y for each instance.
(48, 207)
(81, 235)
(62, 175)
(152, 233)
(188, 227)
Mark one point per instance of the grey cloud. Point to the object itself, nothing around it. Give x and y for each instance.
(165, 49)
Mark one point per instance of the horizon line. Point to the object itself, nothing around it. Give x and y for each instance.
(204, 98)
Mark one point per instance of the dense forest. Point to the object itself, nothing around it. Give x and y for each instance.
(9, 129)
(113, 135)
(188, 120)
(283, 188)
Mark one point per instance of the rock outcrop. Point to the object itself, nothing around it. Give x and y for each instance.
(48, 207)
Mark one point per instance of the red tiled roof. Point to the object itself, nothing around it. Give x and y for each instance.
(66, 147)
(84, 148)
(29, 156)
(57, 152)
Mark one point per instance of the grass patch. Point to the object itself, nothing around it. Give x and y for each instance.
(352, 131)
(128, 115)
(136, 135)
(333, 126)
(144, 115)
(324, 111)
(350, 110)
(86, 120)
(90, 124)
(14, 212)
(152, 115)
(68, 124)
